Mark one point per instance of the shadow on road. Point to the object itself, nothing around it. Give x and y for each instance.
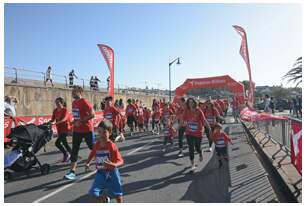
(211, 184)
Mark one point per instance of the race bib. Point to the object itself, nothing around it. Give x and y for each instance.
(210, 120)
(166, 132)
(108, 116)
(101, 157)
(76, 113)
(220, 142)
(130, 110)
(193, 126)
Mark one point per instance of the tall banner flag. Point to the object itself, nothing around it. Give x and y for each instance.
(244, 52)
(108, 54)
(296, 145)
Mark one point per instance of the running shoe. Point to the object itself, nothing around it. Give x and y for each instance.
(107, 199)
(66, 157)
(164, 150)
(180, 154)
(70, 175)
(193, 168)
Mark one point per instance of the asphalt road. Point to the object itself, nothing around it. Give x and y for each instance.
(149, 175)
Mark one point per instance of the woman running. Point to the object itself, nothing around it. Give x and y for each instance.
(194, 121)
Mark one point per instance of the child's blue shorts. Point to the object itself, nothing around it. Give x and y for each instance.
(109, 180)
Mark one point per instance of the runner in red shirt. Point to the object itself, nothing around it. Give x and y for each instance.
(83, 113)
(108, 159)
(62, 118)
(194, 121)
(147, 116)
(156, 117)
(179, 115)
(167, 113)
(113, 115)
(140, 119)
(169, 133)
(130, 113)
(135, 103)
(211, 114)
(221, 140)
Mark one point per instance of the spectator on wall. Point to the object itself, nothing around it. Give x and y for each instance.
(71, 78)
(48, 76)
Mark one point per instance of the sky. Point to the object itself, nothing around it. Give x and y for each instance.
(146, 36)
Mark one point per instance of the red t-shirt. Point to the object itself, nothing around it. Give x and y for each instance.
(222, 105)
(180, 113)
(140, 117)
(103, 152)
(166, 114)
(194, 122)
(211, 115)
(218, 107)
(58, 115)
(169, 132)
(146, 114)
(156, 112)
(130, 110)
(235, 104)
(112, 114)
(81, 109)
(220, 139)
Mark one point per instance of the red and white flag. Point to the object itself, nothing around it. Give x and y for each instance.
(244, 52)
(296, 145)
(108, 54)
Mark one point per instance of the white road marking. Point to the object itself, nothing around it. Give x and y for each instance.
(84, 177)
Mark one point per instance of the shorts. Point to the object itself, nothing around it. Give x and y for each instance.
(130, 120)
(107, 180)
(221, 151)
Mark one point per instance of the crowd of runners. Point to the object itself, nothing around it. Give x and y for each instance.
(188, 119)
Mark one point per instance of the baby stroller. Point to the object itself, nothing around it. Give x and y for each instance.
(26, 140)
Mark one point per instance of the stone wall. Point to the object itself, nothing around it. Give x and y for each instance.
(37, 100)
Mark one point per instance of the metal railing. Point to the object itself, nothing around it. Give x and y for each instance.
(30, 77)
(278, 131)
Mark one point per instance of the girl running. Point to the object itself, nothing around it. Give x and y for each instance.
(130, 113)
(169, 133)
(181, 130)
(62, 120)
(156, 117)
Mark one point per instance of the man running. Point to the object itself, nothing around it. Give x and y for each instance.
(83, 114)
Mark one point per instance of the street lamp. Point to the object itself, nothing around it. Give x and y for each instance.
(177, 60)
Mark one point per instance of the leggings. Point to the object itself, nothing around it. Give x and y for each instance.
(181, 136)
(194, 144)
(76, 142)
(62, 144)
(207, 134)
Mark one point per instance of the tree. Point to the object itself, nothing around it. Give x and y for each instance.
(295, 74)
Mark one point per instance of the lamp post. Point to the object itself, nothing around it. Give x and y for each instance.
(177, 60)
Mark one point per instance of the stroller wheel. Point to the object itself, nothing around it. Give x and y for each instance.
(7, 175)
(45, 169)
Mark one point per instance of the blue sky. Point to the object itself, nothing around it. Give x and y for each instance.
(144, 36)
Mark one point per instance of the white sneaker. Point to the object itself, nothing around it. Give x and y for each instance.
(180, 154)
(122, 137)
(164, 150)
(193, 168)
(210, 149)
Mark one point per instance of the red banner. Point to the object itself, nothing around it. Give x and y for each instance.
(108, 55)
(250, 115)
(244, 52)
(296, 145)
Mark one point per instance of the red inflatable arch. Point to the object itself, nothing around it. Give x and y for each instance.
(211, 82)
